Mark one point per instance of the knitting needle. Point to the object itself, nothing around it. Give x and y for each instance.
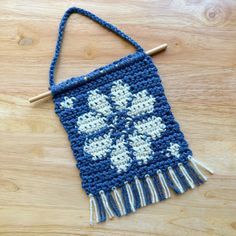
(150, 52)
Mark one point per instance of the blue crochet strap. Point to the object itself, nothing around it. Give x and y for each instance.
(92, 17)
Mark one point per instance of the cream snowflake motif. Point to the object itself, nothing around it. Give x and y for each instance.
(173, 150)
(67, 103)
(133, 106)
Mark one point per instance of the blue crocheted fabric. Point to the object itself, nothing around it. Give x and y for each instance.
(128, 146)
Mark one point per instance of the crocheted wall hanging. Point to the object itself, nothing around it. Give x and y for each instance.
(128, 146)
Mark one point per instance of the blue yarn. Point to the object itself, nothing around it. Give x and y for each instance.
(136, 195)
(196, 178)
(147, 194)
(92, 17)
(120, 125)
(102, 213)
(158, 187)
(182, 179)
(126, 200)
(113, 204)
(171, 184)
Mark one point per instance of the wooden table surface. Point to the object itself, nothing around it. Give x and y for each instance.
(40, 188)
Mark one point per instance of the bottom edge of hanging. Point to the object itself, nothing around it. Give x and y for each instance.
(149, 190)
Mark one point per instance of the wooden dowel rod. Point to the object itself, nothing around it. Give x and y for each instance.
(157, 49)
(40, 96)
(150, 52)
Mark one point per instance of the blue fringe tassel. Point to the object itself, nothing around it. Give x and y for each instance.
(113, 204)
(182, 180)
(102, 213)
(192, 175)
(136, 195)
(196, 178)
(146, 191)
(170, 183)
(125, 199)
(158, 187)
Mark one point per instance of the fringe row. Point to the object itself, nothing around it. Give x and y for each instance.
(150, 190)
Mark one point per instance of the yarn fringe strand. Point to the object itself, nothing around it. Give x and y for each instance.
(133, 195)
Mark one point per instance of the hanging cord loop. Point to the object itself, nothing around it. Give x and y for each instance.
(93, 17)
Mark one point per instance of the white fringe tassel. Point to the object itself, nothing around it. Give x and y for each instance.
(106, 204)
(130, 196)
(202, 165)
(119, 202)
(152, 189)
(195, 167)
(164, 184)
(175, 180)
(186, 176)
(140, 192)
(93, 207)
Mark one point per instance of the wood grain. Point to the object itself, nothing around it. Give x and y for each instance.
(40, 188)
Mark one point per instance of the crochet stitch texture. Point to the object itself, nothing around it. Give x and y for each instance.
(128, 146)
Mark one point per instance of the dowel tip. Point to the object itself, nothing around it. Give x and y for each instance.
(157, 49)
(40, 96)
